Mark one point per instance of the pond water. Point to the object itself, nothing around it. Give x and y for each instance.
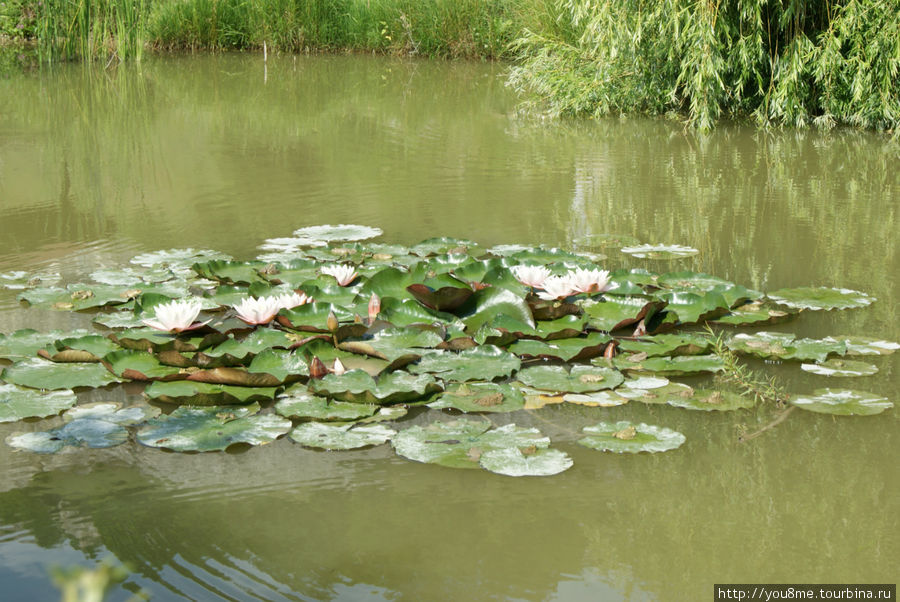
(223, 152)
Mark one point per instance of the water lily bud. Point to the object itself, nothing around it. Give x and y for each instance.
(316, 368)
(338, 368)
(332, 322)
(374, 307)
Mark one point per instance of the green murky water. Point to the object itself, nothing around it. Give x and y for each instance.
(220, 152)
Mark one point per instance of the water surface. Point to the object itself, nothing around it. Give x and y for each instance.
(222, 152)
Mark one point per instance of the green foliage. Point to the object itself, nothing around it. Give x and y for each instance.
(785, 62)
(87, 29)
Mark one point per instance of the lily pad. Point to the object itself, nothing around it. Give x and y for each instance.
(606, 241)
(393, 343)
(485, 305)
(300, 403)
(19, 280)
(392, 387)
(478, 363)
(668, 366)
(574, 349)
(843, 402)
(329, 232)
(660, 395)
(840, 367)
(461, 443)
(821, 298)
(708, 400)
(39, 373)
(620, 311)
(444, 244)
(780, 345)
(867, 346)
(513, 462)
(341, 436)
(82, 432)
(111, 411)
(25, 343)
(212, 428)
(597, 399)
(284, 366)
(668, 344)
(660, 251)
(17, 403)
(194, 393)
(92, 346)
(138, 365)
(178, 260)
(625, 437)
(753, 313)
(480, 397)
(694, 307)
(581, 379)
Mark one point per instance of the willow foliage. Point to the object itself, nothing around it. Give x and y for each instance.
(790, 62)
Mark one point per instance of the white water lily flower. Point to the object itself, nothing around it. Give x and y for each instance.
(530, 275)
(258, 311)
(176, 316)
(344, 274)
(589, 281)
(556, 287)
(290, 300)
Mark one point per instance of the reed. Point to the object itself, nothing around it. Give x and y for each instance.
(89, 29)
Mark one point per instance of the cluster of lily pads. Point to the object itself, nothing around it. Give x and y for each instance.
(333, 342)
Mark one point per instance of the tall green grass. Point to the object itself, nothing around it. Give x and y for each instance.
(88, 29)
(790, 62)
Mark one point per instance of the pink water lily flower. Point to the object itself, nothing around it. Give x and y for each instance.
(290, 300)
(589, 281)
(344, 274)
(556, 287)
(257, 311)
(176, 316)
(530, 275)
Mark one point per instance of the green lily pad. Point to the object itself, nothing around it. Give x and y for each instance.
(708, 400)
(285, 366)
(212, 428)
(312, 317)
(861, 346)
(393, 343)
(840, 367)
(88, 348)
(478, 363)
(782, 345)
(668, 344)
(569, 350)
(821, 298)
(581, 379)
(138, 365)
(843, 402)
(341, 436)
(606, 241)
(231, 272)
(82, 432)
(17, 403)
(694, 307)
(513, 462)
(480, 397)
(660, 251)
(445, 298)
(300, 403)
(485, 305)
(461, 443)
(660, 395)
(25, 343)
(408, 312)
(18, 280)
(349, 232)
(753, 313)
(444, 244)
(111, 411)
(39, 373)
(392, 387)
(187, 392)
(668, 366)
(178, 260)
(617, 312)
(625, 437)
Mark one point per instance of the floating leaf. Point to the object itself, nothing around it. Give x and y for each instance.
(212, 428)
(619, 312)
(392, 387)
(753, 313)
(329, 232)
(512, 462)
(300, 403)
(709, 400)
(480, 397)
(606, 241)
(284, 366)
(597, 399)
(179, 260)
(444, 244)
(138, 365)
(111, 411)
(42, 374)
(864, 346)
(19, 280)
(445, 298)
(82, 432)
(840, 367)
(197, 393)
(92, 346)
(17, 403)
(569, 350)
(341, 436)
(668, 344)
(694, 307)
(782, 345)
(581, 379)
(625, 437)
(485, 305)
(25, 343)
(843, 402)
(660, 251)
(668, 366)
(461, 443)
(479, 363)
(660, 395)
(821, 298)
(393, 343)
(231, 272)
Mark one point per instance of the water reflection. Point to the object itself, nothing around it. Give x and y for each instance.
(96, 166)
